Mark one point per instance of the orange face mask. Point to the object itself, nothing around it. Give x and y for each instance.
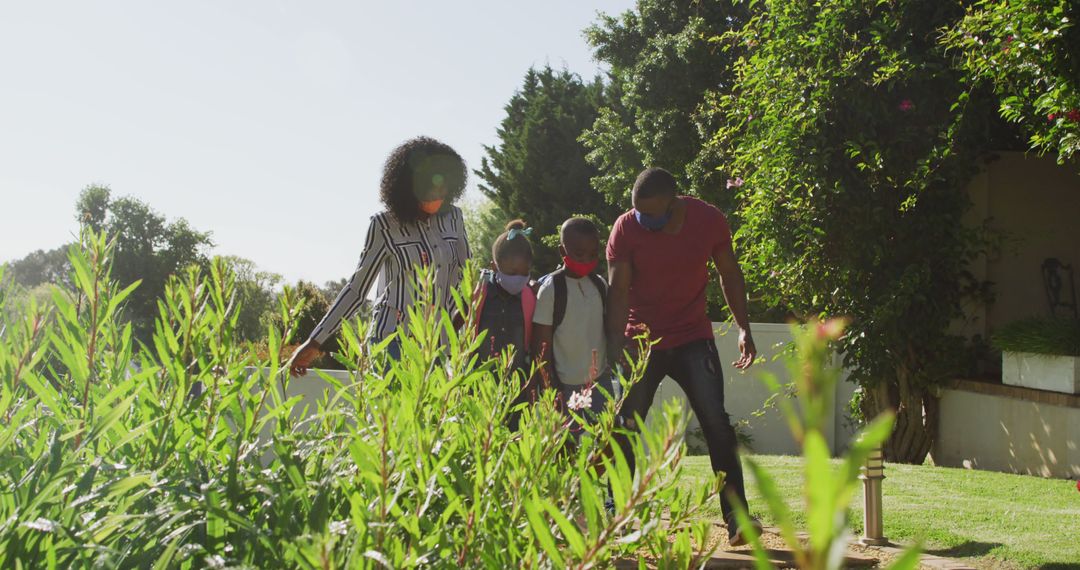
(431, 206)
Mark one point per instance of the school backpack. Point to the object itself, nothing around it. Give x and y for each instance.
(528, 302)
(559, 278)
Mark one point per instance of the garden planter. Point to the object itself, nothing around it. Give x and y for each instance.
(1041, 371)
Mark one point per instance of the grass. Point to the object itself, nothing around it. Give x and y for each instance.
(990, 520)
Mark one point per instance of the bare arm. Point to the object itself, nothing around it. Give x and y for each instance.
(618, 306)
(734, 287)
(348, 301)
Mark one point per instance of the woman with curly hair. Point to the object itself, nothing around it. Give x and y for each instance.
(420, 226)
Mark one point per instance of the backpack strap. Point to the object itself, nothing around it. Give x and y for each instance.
(602, 288)
(559, 282)
(559, 278)
(528, 308)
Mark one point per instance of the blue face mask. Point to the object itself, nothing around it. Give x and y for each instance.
(652, 223)
(513, 284)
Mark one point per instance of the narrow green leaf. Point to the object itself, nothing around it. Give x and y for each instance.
(542, 532)
(570, 531)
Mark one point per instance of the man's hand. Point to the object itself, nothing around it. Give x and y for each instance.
(302, 358)
(747, 350)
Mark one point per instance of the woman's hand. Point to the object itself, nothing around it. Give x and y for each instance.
(303, 356)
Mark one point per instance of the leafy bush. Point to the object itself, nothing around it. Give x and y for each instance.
(827, 491)
(1041, 336)
(1028, 52)
(185, 452)
(855, 137)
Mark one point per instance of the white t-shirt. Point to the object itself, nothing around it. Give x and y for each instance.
(581, 331)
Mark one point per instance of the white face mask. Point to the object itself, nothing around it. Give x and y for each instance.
(513, 284)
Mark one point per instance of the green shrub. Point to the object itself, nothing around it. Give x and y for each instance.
(827, 491)
(185, 453)
(1041, 336)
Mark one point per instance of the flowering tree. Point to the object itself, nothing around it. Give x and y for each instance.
(1028, 52)
(853, 138)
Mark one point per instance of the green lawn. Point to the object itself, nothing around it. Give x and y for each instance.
(989, 519)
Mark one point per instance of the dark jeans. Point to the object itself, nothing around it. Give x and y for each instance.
(696, 367)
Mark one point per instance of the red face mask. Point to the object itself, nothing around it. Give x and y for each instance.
(579, 269)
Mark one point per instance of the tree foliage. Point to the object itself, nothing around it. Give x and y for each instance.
(666, 66)
(41, 267)
(484, 221)
(149, 249)
(1028, 52)
(255, 296)
(538, 170)
(856, 137)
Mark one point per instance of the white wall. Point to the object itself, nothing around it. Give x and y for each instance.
(745, 393)
(998, 433)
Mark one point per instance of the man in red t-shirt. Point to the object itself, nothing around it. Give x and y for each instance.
(658, 256)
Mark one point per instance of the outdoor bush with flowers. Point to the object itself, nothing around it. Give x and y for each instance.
(1028, 53)
(115, 455)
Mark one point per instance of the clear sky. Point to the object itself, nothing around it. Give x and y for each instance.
(265, 122)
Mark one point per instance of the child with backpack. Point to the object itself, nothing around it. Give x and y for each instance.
(568, 338)
(506, 300)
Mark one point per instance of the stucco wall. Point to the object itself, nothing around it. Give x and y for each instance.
(744, 392)
(1000, 433)
(1035, 202)
(977, 431)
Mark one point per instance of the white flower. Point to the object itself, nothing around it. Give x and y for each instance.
(215, 561)
(339, 527)
(580, 400)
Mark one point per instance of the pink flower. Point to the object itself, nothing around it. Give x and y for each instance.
(831, 329)
(734, 183)
(581, 400)
(1051, 116)
(1073, 115)
(906, 105)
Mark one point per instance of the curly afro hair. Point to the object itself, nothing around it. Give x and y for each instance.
(421, 169)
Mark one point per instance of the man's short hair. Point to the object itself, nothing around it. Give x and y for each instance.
(654, 182)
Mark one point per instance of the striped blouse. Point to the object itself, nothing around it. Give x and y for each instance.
(391, 250)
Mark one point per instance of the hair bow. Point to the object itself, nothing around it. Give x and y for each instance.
(518, 232)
